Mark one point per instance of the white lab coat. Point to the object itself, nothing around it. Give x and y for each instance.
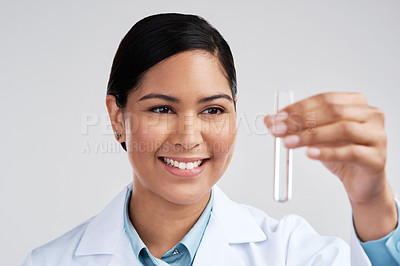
(236, 235)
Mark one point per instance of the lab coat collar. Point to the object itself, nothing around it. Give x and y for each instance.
(229, 224)
(104, 230)
(237, 224)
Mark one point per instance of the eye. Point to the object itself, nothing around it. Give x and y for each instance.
(161, 109)
(214, 111)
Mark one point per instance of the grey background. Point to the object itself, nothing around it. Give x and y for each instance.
(55, 59)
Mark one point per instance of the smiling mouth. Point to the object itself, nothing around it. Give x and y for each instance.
(182, 165)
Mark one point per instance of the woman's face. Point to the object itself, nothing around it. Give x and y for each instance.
(180, 127)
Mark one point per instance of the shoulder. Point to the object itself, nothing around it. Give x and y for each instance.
(290, 225)
(291, 239)
(286, 225)
(99, 235)
(268, 224)
(54, 251)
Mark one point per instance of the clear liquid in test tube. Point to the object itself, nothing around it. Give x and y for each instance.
(283, 157)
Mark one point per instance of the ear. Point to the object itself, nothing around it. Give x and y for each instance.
(235, 99)
(117, 118)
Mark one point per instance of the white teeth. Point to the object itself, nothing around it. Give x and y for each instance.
(182, 165)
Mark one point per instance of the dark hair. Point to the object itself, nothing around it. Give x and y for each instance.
(157, 37)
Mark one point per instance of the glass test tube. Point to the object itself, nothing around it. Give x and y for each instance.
(283, 157)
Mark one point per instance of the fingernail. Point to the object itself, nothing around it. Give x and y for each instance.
(279, 117)
(267, 121)
(279, 129)
(291, 141)
(313, 152)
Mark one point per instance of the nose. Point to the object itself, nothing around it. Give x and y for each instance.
(187, 132)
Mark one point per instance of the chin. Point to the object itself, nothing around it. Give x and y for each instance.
(184, 194)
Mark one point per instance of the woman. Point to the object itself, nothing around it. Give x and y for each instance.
(172, 102)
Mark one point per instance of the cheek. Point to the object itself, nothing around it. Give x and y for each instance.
(221, 136)
(146, 134)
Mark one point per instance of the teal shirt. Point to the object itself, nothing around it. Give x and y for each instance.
(385, 251)
(182, 253)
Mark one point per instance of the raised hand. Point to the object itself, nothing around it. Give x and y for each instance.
(348, 137)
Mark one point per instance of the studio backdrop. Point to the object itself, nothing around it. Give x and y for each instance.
(60, 163)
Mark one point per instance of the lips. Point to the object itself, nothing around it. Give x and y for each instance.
(183, 166)
(184, 159)
(189, 164)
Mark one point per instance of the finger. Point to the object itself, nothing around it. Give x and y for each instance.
(357, 154)
(333, 113)
(276, 123)
(339, 132)
(298, 122)
(323, 99)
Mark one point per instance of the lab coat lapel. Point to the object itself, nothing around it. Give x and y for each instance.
(236, 223)
(124, 254)
(104, 231)
(229, 226)
(215, 249)
(105, 235)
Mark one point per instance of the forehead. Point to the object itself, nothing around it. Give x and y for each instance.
(188, 73)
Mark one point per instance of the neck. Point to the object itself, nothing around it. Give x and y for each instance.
(161, 224)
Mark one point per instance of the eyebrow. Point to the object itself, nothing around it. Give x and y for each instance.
(176, 100)
(217, 96)
(159, 96)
